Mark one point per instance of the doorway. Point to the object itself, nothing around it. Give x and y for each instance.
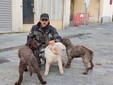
(71, 11)
(28, 14)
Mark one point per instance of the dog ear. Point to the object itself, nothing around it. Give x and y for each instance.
(28, 42)
(54, 50)
(63, 47)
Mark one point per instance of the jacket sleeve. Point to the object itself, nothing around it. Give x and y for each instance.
(55, 35)
(31, 34)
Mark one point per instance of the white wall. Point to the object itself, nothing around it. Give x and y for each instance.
(107, 11)
(17, 16)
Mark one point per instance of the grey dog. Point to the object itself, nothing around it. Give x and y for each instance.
(76, 51)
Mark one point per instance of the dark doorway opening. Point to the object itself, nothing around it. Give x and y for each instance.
(72, 11)
(28, 14)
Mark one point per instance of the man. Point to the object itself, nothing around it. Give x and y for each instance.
(44, 33)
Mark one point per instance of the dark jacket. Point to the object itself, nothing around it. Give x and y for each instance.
(44, 37)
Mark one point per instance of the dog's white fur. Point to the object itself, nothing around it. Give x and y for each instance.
(54, 54)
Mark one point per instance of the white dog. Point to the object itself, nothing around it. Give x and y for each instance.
(54, 54)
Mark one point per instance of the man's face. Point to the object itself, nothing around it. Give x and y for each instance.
(44, 22)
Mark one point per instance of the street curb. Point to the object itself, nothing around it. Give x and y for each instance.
(10, 48)
(11, 33)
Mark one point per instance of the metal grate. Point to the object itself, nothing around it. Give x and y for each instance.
(5, 15)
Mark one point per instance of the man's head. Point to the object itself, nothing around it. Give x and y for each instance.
(44, 19)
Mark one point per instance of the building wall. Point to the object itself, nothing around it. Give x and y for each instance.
(93, 9)
(107, 11)
(66, 13)
(101, 10)
(17, 16)
(59, 11)
(53, 7)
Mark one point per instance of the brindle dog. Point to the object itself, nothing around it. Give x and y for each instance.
(76, 51)
(27, 58)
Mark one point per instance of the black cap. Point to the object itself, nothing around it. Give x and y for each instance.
(44, 16)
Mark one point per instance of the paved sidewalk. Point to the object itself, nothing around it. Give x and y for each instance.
(99, 37)
(13, 40)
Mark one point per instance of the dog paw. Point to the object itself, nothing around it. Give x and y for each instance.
(67, 66)
(45, 74)
(85, 73)
(40, 66)
(61, 73)
(43, 82)
(26, 70)
(90, 68)
(16, 83)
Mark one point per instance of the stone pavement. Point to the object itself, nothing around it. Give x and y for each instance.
(98, 38)
(13, 40)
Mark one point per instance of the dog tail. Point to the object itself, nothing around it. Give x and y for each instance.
(91, 52)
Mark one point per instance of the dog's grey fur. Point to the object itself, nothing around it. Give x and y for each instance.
(76, 51)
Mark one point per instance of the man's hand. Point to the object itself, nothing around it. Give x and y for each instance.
(52, 42)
